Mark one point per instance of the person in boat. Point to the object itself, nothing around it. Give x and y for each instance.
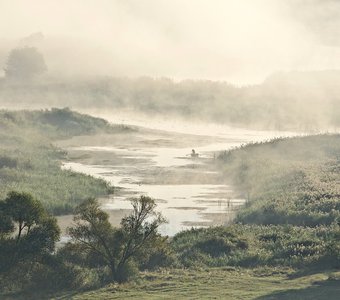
(193, 153)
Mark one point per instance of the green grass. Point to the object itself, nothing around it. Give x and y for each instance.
(290, 221)
(254, 245)
(30, 163)
(288, 181)
(221, 283)
(292, 216)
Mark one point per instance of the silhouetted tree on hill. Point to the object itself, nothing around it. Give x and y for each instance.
(25, 63)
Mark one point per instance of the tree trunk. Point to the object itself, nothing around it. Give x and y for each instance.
(113, 271)
(120, 275)
(20, 230)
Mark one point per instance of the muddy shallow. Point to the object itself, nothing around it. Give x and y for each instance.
(189, 191)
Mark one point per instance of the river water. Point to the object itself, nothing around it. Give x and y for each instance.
(188, 192)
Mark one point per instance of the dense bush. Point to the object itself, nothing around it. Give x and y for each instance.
(253, 245)
(123, 250)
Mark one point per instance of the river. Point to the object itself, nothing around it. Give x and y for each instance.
(155, 160)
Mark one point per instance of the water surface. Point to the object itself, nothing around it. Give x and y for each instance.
(189, 192)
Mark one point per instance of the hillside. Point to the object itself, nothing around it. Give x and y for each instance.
(292, 214)
(222, 283)
(284, 244)
(288, 181)
(29, 162)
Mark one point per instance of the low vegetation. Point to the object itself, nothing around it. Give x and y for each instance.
(221, 283)
(30, 163)
(283, 244)
(27, 240)
(288, 181)
(95, 243)
(258, 245)
(292, 215)
(97, 254)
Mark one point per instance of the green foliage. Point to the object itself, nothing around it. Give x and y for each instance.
(253, 246)
(222, 283)
(294, 181)
(8, 162)
(209, 246)
(30, 163)
(291, 217)
(56, 122)
(37, 232)
(23, 210)
(6, 224)
(26, 242)
(120, 249)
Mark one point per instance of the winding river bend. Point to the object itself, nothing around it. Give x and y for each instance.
(188, 191)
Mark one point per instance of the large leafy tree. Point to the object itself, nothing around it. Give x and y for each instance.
(25, 63)
(6, 224)
(27, 232)
(116, 247)
(24, 211)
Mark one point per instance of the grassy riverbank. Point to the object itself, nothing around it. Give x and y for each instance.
(285, 243)
(288, 181)
(30, 162)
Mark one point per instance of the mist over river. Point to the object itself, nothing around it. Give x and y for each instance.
(155, 160)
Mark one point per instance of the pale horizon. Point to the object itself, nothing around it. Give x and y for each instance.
(241, 42)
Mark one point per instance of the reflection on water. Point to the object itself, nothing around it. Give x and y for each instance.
(183, 126)
(184, 205)
(136, 161)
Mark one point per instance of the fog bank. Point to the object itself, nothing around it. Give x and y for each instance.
(238, 41)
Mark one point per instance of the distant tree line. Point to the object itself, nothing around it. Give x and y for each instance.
(304, 101)
(24, 64)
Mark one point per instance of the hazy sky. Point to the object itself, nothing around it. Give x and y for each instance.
(240, 41)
